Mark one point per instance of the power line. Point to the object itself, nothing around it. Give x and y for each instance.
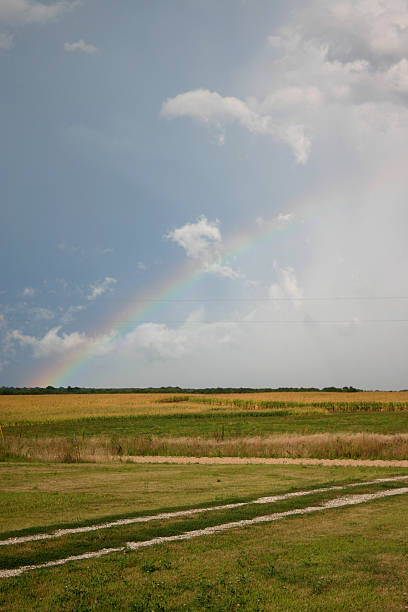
(270, 321)
(269, 299)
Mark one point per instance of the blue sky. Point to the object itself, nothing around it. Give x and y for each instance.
(139, 138)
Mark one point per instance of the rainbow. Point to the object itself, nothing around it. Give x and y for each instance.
(142, 306)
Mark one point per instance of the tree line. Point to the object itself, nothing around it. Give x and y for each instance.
(50, 390)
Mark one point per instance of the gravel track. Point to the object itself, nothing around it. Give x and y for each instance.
(58, 533)
(267, 460)
(339, 502)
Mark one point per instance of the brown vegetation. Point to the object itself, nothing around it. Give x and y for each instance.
(104, 448)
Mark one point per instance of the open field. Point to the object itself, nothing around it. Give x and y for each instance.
(264, 537)
(15, 408)
(215, 425)
(50, 494)
(293, 562)
(305, 424)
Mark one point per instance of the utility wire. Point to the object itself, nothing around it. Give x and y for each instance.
(272, 321)
(268, 299)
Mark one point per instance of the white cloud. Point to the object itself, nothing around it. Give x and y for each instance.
(158, 341)
(287, 285)
(141, 266)
(280, 220)
(212, 108)
(349, 52)
(16, 13)
(52, 343)
(199, 239)
(286, 288)
(373, 30)
(154, 341)
(397, 76)
(288, 97)
(225, 271)
(81, 46)
(55, 343)
(99, 288)
(29, 292)
(333, 63)
(69, 314)
(20, 12)
(6, 40)
(202, 242)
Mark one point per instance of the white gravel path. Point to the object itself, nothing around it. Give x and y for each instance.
(169, 515)
(339, 502)
(264, 461)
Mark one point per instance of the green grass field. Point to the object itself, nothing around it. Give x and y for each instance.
(33, 495)
(243, 433)
(210, 425)
(300, 562)
(344, 558)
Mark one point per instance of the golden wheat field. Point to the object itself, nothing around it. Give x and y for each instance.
(15, 408)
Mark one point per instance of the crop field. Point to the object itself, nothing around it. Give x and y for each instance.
(85, 527)
(110, 427)
(38, 408)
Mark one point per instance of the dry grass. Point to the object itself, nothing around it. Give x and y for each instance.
(103, 448)
(37, 408)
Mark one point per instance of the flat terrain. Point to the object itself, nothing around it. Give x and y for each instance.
(302, 562)
(100, 427)
(264, 536)
(41, 494)
(15, 408)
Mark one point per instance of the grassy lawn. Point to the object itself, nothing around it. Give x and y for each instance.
(341, 559)
(44, 495)
(35, 552)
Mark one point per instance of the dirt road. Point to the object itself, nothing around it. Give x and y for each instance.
(268, 460)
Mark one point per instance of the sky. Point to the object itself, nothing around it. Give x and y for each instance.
(204, 193)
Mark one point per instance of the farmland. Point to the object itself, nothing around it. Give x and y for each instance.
(105, 427)
(297, 540)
